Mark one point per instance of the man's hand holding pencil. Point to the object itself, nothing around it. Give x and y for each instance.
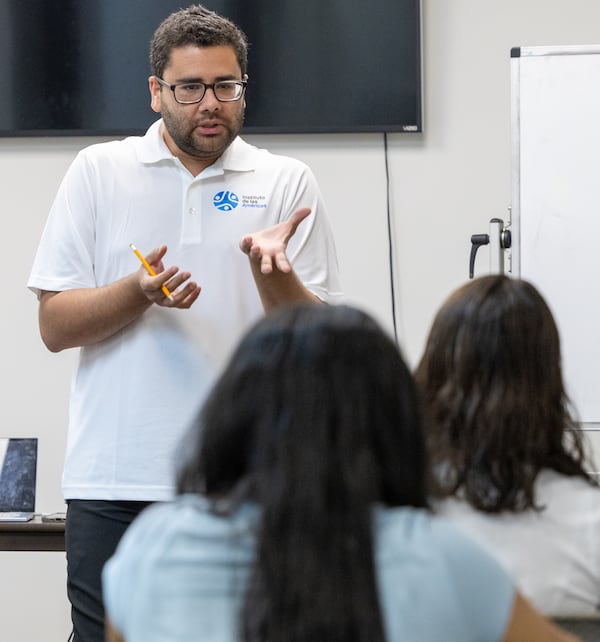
(163, 286)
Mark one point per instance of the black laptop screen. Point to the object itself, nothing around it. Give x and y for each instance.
(18, 460)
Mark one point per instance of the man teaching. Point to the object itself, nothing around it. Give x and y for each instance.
(229, 230)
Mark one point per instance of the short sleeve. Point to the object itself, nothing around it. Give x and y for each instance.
(65, 256)
(180, 569)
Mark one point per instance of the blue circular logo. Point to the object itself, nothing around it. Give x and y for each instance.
(225, 201)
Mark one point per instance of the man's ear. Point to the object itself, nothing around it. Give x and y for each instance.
(155, 95)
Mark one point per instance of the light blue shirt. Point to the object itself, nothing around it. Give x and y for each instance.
(180, 572)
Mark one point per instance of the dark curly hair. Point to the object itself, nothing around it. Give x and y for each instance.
(496, 411)
(195, 25)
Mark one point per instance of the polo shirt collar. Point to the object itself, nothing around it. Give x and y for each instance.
(151, 148)
(238, 157)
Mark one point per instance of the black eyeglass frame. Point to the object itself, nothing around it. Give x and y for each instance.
(207, 85)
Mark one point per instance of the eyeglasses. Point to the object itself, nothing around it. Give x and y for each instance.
(187, 93)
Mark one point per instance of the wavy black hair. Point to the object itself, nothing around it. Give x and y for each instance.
(316, 419)
(496, 410)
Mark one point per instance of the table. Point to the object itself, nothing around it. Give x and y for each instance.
(34, 535)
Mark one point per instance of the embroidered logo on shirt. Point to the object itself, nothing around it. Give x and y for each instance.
(225, 201)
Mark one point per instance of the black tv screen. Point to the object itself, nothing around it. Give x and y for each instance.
(80, 67)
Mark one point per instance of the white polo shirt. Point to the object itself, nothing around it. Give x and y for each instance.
(134, 394)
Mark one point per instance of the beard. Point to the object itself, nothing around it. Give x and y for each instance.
(183, 132)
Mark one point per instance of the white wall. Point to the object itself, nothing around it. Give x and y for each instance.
(446, 185)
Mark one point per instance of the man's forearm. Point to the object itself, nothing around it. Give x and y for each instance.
(80, 317)
(280, 288)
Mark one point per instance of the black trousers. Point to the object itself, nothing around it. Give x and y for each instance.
(92, 531)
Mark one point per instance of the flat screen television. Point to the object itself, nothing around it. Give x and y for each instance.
(80, 67)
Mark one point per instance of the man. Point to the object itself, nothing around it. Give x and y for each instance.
(196, 193)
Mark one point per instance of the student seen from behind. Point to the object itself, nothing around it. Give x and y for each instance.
(509, 459)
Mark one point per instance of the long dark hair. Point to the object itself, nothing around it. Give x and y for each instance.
(316, 419)
(496, 408)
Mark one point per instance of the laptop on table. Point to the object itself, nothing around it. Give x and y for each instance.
(18, 470)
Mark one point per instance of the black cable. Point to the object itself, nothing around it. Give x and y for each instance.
(389, 228)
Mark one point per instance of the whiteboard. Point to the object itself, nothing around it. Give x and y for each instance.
(555, 118)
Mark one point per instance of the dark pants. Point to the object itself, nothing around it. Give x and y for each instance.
(92, 531)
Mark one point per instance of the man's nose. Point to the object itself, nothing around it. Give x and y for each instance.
(209, 100)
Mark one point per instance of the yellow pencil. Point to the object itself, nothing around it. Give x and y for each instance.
(151, 272)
